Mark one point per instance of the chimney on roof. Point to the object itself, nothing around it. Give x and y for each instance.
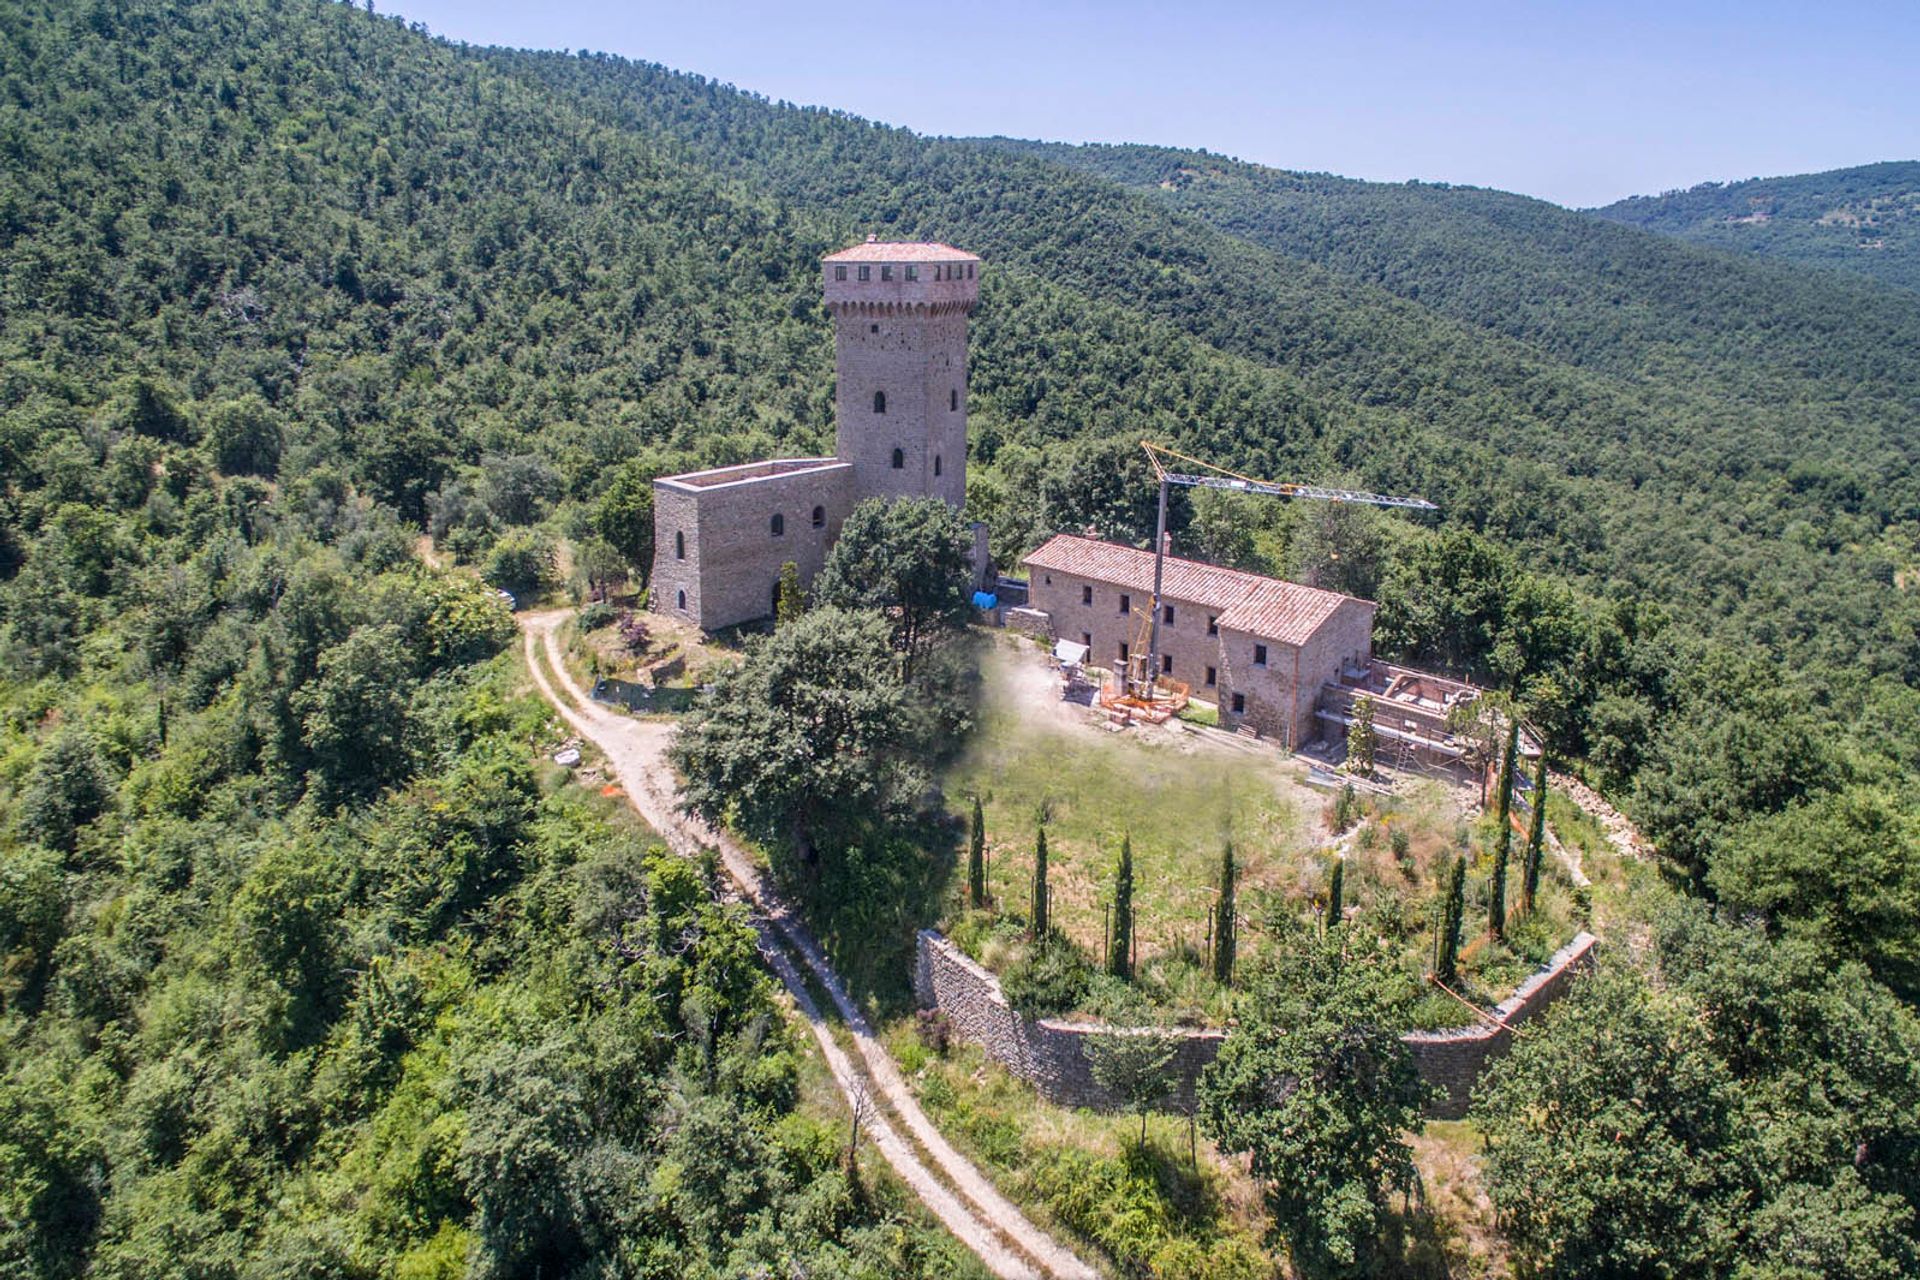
(873, 239)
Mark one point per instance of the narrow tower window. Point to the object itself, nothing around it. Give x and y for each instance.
(679, 545)
(936, 464)
(953, 399)
(879, 402)
(819, 517)
(680, 600)
(779, 525)
(899, 460)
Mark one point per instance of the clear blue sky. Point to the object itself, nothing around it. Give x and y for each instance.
(1578, 103)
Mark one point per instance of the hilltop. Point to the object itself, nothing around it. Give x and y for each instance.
(1865, 221)
(309, 322)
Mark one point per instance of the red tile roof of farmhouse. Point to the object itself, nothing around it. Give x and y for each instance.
(1265, 607)
(901, 251)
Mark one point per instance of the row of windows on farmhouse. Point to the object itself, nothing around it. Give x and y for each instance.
(1166, 617)
(880, 400)
(944, 271)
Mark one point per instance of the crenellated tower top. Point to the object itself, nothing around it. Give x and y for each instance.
(885, 277)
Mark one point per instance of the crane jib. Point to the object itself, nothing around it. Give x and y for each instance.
(1236, 485)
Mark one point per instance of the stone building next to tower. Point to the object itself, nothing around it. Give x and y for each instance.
(900, 342)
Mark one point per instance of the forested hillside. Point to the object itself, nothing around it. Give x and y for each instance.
(1665, 452)
(1865, 221)
(1717, 456)
(301, 958)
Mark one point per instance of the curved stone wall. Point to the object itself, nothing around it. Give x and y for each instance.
(1051, 1054)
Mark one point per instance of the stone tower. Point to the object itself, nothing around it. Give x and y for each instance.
(900, 341)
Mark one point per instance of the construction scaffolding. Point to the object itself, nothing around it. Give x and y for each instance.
(1135, 691)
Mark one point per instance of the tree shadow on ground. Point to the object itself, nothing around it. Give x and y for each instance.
(881, 884)
(1418, 1244)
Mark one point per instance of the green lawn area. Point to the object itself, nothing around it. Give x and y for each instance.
(1180, 795)
(1031, 756)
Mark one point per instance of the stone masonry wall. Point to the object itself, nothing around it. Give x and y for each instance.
(1060, 594)
(1270, 691)
(917, 357)
(1344, 639)
(1051, 1054)
(733, 558)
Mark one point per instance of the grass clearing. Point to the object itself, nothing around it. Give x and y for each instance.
(1033, 756)
(1179, 795)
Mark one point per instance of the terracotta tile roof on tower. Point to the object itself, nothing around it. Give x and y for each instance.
(1266, 607)
(901, 251)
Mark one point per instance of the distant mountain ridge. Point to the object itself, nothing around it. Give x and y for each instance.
(1864, 220)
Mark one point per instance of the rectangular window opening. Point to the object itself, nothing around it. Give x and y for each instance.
(866, 272)
(1213, 677)
(1259, 655)
(1213, 625)
(1086, 595)
(1166, 664)
(840, 272)
(1166, 615)
(1239, 703)
(1126, 605)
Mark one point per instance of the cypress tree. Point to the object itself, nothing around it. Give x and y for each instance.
(1447, 965)
(1336, 887)
(1536, 834)
(977, 859)
(1120, 953)
(1039, 916)
(1224, 925)
(1497, 898)
(791, 602)
(1361, 740)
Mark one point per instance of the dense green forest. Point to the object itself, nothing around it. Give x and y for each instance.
(1865, 221)
(306, 971)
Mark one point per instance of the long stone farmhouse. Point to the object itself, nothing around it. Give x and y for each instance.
(900, 353)
(1262, 648)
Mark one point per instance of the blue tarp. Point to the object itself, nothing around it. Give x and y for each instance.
(985, 600)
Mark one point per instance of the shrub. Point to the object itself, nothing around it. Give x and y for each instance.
(1050, 978)
(521, 562)
(597, 615)
(933, 1029)
(634, 633)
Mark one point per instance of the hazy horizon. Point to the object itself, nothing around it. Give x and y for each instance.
(1578, 105)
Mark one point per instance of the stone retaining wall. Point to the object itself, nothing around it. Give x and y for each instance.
(1051, 1054)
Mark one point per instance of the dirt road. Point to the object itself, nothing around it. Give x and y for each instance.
(945, 1181)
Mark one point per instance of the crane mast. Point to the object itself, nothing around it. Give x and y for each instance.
(1212, 477)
